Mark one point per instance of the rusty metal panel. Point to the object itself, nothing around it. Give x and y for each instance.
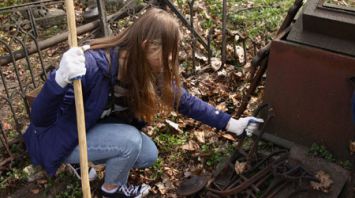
(310, 92)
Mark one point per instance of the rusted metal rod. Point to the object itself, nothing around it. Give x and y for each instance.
(290, 15)
(4, 141)
(224, 36)
(103, 17)
(185, 22)
(193, 40)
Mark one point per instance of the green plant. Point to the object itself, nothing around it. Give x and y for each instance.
(214, 159)
(345, 164)
(321, 151)
(169, 142)
(157, 169)
(216, 153)
(72, 188)
(12, 176)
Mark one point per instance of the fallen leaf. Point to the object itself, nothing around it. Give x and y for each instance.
(352, 147)
(35, 191)
(42, 181)
(240, 54)
(200, 56)
(190, 146)
(216, 63)
(161, 187)
(240, 167)
(6, 126)
(222, 73)
(228, 137)
(222, 107)
(324, 182)
(174, 125)
(200, 136)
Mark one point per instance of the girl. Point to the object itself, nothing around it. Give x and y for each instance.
(126, 79)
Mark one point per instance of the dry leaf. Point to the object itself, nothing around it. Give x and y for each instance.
(6, 126)
(228, 137)
(240, 167)
(42, 181)
(222, 73)
(222, 107)
(240, 53)
(216, 63)
(201, 57)
(200, 136)
(324, 182)
(352, 147)
(35, 191)
(174, 125)
(190, 146)
(161, 187)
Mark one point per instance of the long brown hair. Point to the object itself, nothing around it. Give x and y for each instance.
(145, 97)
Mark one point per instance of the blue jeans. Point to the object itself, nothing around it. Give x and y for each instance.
(120, 147)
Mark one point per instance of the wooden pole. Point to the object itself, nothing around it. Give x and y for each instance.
(79, 105)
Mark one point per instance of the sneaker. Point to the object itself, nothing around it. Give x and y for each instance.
(125, 191)
(75, 169)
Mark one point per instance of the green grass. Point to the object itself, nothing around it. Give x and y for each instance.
(216, 152)
(7, 3)
(252, 18)
(321, 151)
(170, 142)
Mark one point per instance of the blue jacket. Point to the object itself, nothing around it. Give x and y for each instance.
(52, 133)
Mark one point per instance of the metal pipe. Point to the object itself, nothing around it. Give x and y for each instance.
(27, 60)
(193, 41)
(4, 141)
(210, 32)
(102, 17)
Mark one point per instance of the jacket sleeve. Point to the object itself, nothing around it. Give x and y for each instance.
(45, 107)
(53, 100)
(200, 110)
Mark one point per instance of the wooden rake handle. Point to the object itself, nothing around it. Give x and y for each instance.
(79, 105)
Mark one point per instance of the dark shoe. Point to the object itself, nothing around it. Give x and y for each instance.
(75, 169)
(130, 192)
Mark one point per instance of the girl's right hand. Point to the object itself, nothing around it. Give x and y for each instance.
(244, 126)
(72, 66)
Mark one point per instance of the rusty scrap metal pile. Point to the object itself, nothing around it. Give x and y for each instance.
(253, 173)
(273, 171)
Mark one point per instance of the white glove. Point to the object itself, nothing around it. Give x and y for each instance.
(72, 66)
(247, 124)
